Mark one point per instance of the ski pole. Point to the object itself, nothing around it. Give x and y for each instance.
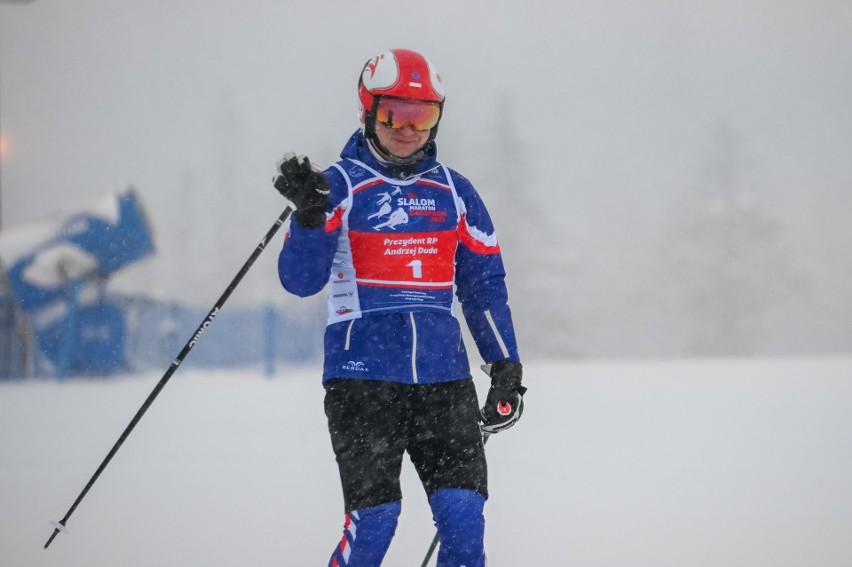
(437, 538)
(196, 336)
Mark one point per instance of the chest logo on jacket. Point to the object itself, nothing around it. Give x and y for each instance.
(387, 216)
(392, 209)
(356, 172)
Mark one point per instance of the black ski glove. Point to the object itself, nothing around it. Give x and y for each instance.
(505, 402)
(304, 185)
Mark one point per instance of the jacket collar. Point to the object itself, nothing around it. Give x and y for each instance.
(358, 149)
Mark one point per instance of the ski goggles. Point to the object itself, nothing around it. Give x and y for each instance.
(399, 113)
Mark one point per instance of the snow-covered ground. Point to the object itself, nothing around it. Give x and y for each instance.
(702, 463)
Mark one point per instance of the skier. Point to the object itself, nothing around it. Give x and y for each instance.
(391, 231)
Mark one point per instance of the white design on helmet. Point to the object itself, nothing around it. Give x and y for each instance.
(382, 72)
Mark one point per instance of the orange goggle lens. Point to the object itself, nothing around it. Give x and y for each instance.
(398, 113)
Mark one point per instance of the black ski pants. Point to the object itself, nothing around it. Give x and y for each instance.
(374, 422)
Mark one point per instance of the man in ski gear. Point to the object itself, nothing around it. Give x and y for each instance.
(393, 232)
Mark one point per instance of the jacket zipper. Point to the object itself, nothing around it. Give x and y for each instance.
(413, 348)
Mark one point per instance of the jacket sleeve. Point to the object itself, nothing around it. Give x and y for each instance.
(480, 279)
(304, 263)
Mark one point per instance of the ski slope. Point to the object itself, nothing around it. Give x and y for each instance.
(700, 463)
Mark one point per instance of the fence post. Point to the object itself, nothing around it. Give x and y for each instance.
(270, 339)
(69, 337)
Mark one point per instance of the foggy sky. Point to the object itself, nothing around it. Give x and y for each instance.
(616, 105)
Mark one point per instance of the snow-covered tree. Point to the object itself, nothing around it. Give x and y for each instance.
(726, 264)
(535, 250)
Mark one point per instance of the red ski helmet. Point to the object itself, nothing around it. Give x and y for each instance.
(397, 73)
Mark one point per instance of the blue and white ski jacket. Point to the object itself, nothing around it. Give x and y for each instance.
(394, 247)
